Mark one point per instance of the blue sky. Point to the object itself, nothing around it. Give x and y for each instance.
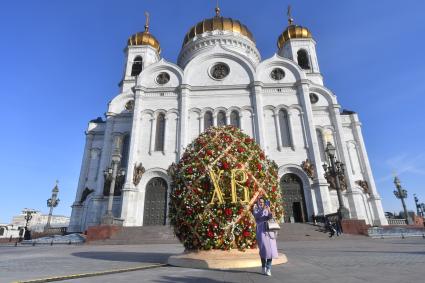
(61, 61)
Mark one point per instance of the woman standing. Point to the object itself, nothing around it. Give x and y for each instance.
(266, 240)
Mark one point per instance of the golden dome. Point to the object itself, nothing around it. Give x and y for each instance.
(293, 31)
(218, 23)
(144, 38)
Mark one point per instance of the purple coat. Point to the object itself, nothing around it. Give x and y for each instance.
(266, 241)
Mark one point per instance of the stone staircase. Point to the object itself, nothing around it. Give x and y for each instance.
(165, 235)
(301, 232)
(140, 236)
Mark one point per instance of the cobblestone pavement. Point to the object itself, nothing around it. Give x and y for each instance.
(342, 260)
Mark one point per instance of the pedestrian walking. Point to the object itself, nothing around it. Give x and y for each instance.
(266, 240)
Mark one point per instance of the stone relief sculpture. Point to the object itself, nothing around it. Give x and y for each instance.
(364, 185)
(129, 106)
(308, 168)
(138, 172)
(332, 182)
(85, 194)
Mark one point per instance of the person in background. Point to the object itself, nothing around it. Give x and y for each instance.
(266, 240)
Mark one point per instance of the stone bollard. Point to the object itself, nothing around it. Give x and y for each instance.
(51, 243)
(16, 243)
(33, 243)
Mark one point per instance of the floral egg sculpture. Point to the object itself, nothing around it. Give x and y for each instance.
(214, 187)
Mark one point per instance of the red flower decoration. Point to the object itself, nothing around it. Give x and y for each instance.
(228, 211)
(201, 222)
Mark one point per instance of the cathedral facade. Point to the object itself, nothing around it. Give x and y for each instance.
(220, 79)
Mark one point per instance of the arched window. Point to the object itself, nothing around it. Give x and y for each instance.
(208, 120)
(284, 128)
(137, 66)
(160, 132)
(321, 145)
(234, 119)
(303, 61)
(221, 118)
(125, 150)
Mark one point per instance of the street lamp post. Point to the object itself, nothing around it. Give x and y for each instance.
(401, 194)
(335, 170)
(28, 216)
(111, 175)
(52, 202)
(418, 205)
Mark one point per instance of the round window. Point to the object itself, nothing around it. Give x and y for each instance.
(220, 71)
(277, 74)
(314, 98)
(163, 78)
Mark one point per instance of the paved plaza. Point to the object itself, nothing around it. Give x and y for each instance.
(333, 260)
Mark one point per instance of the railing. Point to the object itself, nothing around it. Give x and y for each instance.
(392, 221)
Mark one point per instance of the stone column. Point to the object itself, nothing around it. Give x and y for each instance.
(129, 192)
(153, 135)
(375, 199)
(343, 155)
(84, 166)
(164, 148)
(77, 207)
(320, 185)
(278, 132)
(183, 101)
(291, 129)
(257, 105)
(304, 131)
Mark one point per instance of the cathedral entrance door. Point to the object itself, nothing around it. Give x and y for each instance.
(155, 202)
(297, 212)
(293, 198)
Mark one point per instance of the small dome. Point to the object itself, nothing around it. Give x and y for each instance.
(218, 23)
(144, 38)
(293, 31)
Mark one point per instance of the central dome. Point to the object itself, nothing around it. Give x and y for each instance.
(218, 23)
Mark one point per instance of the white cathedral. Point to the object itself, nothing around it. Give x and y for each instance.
(220, 79)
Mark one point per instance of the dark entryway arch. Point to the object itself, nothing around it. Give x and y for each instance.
(155, 202)
(293, 198)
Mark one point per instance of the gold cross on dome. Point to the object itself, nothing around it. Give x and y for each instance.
(289, 13)
(217, 9)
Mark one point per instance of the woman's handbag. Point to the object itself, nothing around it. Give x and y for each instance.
(272, 225)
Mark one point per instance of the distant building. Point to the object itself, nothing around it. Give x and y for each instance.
(10, 230)
(39, 221)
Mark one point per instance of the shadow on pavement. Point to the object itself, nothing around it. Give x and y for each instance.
(187, 279)
(387, 252)
(126, 256)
